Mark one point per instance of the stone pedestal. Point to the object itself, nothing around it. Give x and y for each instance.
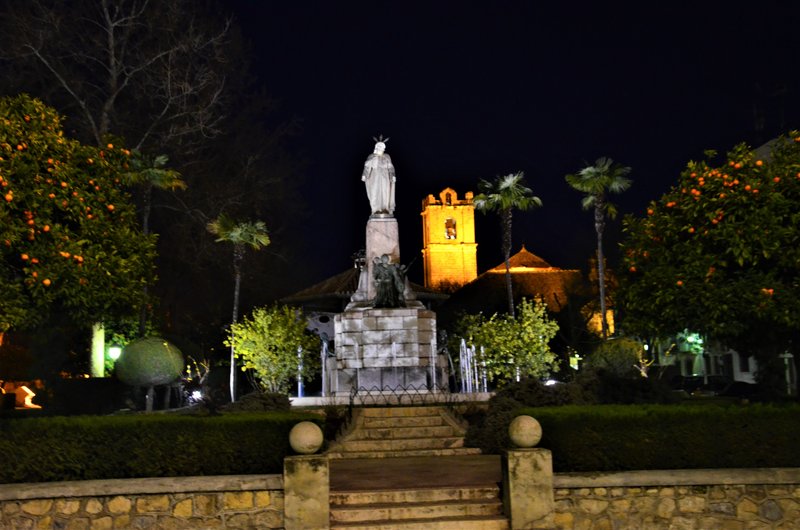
(383, 237)
(387, 349)
(528, 488)
(306, 485)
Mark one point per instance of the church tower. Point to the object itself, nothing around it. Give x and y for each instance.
(449, 251)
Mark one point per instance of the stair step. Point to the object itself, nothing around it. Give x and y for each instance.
(453, 451)
(399, 412)
(455, 523)
(420, 510)
(396, 496)
(403, 444)
(439, 431)
(402, 421)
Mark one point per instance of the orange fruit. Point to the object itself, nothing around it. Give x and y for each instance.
(679, 283)
(24, 257)
(46, 282)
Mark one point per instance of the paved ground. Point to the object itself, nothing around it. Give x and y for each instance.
(414, 472)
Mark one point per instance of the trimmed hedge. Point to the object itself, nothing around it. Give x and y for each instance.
(630, 437)
(105, 447)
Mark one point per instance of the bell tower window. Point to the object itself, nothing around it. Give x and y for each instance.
(450, 228)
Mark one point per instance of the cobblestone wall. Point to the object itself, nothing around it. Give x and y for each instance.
(691, 499)
(179, 503)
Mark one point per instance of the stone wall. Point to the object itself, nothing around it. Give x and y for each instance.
(735, 499)
(386, 349)
(247, 501)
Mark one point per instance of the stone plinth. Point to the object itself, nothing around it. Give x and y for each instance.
(306, 486)
(383, 237)
(528, 488)
(386, 349)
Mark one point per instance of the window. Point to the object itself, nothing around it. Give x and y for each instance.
(450, 228)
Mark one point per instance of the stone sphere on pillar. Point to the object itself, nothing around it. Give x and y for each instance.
(525, 432)
(305, 438)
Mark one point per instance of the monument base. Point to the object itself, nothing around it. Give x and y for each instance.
(391, 349)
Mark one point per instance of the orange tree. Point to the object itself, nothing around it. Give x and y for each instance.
(719, 254)
(69, 240)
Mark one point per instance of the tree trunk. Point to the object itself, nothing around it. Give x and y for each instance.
(147, 195)
(506, 220)
(149, 397)
(599, 225)
(98, 356)
(238, 255)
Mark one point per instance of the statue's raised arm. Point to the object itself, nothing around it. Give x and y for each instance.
(379, 178)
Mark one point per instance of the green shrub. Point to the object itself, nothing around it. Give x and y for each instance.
(106, 447)
(618, 356)
(148, 362)
(628, 437)
(599, 386)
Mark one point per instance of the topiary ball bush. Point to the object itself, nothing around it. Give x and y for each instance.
(149, 362)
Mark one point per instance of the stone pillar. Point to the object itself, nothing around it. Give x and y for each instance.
(383, 237)
(306, 486)
(528, 488)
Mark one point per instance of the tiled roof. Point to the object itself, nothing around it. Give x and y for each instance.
(523, 258)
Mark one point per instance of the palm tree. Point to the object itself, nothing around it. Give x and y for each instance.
(242, 234)
(149, 172)
(595, 181)
(504, 195)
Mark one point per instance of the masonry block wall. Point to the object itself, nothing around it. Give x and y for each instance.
(251, 501)
(730, 499)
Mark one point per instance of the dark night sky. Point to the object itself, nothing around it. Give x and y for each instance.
(471, 91)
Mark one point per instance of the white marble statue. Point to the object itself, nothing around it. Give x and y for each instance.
(379, 178)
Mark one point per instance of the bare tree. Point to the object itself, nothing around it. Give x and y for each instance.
(152, 72)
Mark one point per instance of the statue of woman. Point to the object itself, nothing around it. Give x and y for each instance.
(379, 178)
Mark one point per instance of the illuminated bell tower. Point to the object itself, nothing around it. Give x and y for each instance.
(449, 251)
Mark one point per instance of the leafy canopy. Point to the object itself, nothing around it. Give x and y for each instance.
(505, 193)
(69, 240)
(719, 253)
(605, 176)
(268, 341)
(509, 345)
(241, 234)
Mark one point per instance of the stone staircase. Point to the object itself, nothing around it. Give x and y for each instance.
(383, 432)
(406, 468)
(466, 508)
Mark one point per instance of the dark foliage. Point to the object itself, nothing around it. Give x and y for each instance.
(618, 437)
(92, 447)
